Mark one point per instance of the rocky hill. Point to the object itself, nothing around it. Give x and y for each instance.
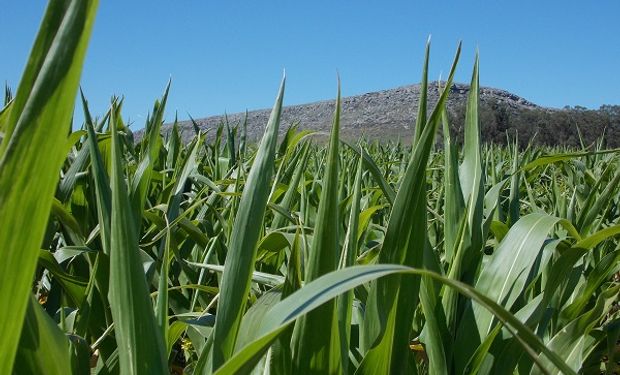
(384, 114)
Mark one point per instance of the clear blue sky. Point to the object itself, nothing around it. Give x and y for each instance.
(229, 55)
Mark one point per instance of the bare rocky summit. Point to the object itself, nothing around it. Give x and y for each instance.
(387, 114)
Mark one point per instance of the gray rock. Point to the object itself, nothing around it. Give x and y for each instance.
(387, 114)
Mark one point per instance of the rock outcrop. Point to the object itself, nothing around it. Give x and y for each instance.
(383, 115)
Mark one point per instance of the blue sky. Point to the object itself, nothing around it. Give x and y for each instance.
(229, 55)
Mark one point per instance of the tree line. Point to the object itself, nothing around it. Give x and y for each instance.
(571, 126)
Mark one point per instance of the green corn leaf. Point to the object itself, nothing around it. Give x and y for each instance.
(255, 314)
(598, 237)
(75, 287)
(161, 306)
(256, 276)
(173, 146)
(586, 221)
(243, 140)
(603, 271)
(373, 168)
(549, 159)
(177, 328)
(454, 204)
(570, 342)
(392, 300)
(347, 259)
(365, 218)
(140, 343)
(420, 121)
(142, 177)
(323, 289)
(43, 347)
(281, 352)
(242, 248)
(472, 179)
(102, 188)
(435, 332)
(504, 277)
(315, 350)
(514, 205)
(230, 144)
(313, 295)
(477, 360)
(68, 181)
(287, 201)
(38, 124)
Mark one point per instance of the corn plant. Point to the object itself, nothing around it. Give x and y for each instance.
(142, 255)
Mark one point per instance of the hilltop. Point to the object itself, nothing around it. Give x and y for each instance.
(390, 114)
(383, 114)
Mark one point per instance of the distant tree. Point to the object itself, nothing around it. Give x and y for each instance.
(500, 122)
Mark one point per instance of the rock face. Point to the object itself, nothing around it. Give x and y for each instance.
(382, 115)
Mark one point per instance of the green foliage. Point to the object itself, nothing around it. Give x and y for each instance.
(219, 256)
(574, 127)
(35, 143)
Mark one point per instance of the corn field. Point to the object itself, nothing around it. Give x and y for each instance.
(290, 256)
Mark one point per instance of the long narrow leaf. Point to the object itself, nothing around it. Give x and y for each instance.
(242, 248)
(35, 144)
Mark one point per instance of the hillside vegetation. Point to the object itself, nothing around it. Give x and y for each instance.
(576, 127)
